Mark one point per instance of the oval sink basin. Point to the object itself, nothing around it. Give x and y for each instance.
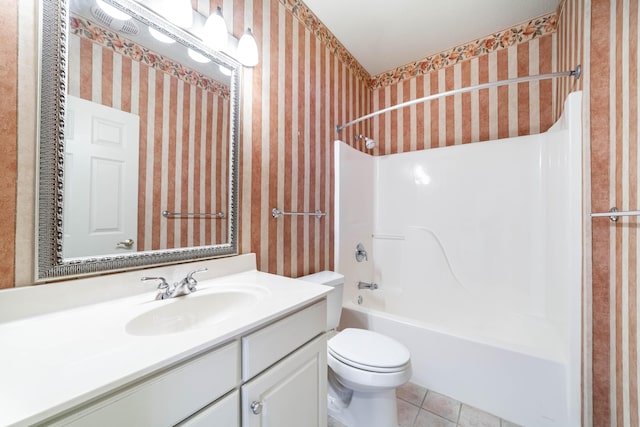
(194, 311)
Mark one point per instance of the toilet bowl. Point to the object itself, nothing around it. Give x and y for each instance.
(365, 367)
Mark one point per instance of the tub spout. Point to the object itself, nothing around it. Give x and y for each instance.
(365, 285)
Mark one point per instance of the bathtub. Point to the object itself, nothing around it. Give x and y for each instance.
(524, 383)
(477, 254)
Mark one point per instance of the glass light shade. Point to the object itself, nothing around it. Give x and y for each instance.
(247, 52)
(112, 11)
(215, 31)
(160, 36)
(198, 57)
(178, 12)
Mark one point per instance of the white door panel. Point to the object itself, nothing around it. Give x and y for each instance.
(101, 180)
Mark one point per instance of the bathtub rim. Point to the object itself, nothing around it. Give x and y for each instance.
(557, 357)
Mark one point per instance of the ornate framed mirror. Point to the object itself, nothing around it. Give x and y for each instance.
(138, 142)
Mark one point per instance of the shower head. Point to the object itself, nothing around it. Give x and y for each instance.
(368, 142)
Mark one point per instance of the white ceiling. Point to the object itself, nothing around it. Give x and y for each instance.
(383, 35)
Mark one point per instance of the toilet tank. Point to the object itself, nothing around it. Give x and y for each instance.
(334, 298)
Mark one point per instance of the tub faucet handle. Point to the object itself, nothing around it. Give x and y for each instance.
(361, 253)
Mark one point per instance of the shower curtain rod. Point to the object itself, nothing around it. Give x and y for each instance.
(575, 73)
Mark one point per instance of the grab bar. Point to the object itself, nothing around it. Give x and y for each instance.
(276, 213)
(168, 214)
(614, 214)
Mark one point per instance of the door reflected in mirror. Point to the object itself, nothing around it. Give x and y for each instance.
(101, 182)
(147, 131)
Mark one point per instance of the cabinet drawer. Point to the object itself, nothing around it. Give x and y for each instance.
(266, 346)
(223, 413)
(170, 396)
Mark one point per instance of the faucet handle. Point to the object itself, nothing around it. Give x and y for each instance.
(191, 282)
(163, 282)
(164, 289)
(361, 253)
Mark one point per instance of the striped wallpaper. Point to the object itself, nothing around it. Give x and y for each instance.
(570, 40)
(615, 159)
(518, 109)
(8, 144)
(183, 148)
(292, 101)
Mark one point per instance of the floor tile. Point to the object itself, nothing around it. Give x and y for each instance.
(473, 417)
(428, 419)
(407, 413)
(442, 405)
(412, 393)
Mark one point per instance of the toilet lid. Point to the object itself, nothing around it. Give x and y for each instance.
(368, 350)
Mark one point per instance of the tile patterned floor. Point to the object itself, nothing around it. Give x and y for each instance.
(419, 407)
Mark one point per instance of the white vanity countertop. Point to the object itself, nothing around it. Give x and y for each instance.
(52, 362)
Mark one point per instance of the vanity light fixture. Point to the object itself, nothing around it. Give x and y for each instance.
(112, 11)
(198, 57)
(224, 70)
(178, 12)
(160, 36)
(215, 31)
(247, 52)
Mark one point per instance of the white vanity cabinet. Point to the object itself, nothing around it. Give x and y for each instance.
(168, 397)
(286, 387)
(222, 413)
(272, 375)
(292, 393)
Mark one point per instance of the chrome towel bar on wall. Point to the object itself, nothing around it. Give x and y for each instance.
(168, 214)
(614, 214)
(277, 213)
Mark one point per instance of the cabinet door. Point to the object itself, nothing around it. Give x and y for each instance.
(292, 393)
(223, 413)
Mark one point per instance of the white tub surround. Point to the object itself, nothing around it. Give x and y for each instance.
(477, 254)
(67, 343)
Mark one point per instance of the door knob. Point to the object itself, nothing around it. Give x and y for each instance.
(256, 407)
(126, 244)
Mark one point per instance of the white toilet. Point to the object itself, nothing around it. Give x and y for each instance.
(365, 367)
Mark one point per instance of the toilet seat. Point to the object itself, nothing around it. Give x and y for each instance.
(369, 351)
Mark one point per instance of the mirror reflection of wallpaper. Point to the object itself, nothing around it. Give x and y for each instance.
(184, 132)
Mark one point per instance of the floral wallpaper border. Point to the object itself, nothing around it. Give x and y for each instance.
(97, 34)
(302, 12)
(520, 33)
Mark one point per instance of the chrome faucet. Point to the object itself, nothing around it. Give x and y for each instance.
(365, 285)
(178, 289)
(164, 289)
(188, 284)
